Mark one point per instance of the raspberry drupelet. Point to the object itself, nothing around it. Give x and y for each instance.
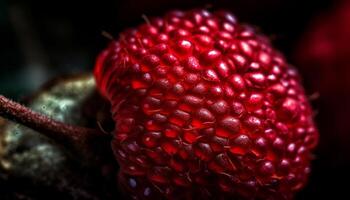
(205, 108)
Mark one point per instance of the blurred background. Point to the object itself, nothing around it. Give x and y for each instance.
(40, 40)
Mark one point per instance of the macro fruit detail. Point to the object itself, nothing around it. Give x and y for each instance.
(205, 108)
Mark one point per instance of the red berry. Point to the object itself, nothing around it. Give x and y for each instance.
(209, 110)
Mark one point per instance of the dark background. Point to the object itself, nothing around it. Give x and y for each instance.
(42, 39)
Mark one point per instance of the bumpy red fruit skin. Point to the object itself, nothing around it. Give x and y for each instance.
(205, 108)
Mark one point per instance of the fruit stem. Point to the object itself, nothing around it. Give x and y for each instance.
(62, 133)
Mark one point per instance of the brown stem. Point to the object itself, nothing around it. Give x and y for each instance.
(61, 133)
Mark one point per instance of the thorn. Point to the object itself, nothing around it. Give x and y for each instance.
(140, 42)
(188, 176)
(122, 38)
(314, 96)
(107, 35)
(231, 163)
(126, 50)
(101, 128)
(146, 19)
(124, 64)
(158, 188)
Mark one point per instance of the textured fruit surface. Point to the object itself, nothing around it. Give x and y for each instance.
(205, 108)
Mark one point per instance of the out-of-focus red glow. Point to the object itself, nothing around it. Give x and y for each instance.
(324, 52)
